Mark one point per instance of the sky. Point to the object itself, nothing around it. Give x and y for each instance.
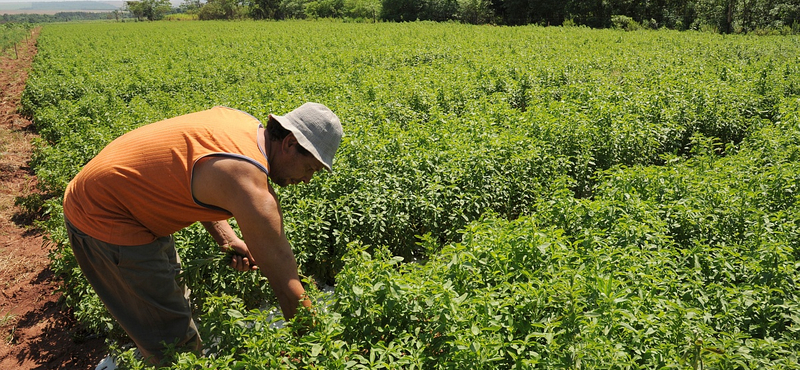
(48, 1)
(42, 1)
(174, 2)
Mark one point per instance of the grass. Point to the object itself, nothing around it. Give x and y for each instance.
(6, 320)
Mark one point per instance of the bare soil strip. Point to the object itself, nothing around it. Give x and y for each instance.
(35, 331)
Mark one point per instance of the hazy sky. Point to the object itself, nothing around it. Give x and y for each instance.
(174, 2)
(41, 1)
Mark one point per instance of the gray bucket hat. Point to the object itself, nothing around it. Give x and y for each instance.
(316, 128)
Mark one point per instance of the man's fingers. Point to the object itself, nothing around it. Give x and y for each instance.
(241, 263)
(238, 263)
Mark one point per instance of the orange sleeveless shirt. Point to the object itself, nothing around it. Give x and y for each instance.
(138, 188)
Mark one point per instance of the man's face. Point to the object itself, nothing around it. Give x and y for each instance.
(293, 167)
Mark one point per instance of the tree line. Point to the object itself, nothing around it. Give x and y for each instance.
(725, 16)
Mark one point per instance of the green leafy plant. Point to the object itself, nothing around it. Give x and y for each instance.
(504, 197)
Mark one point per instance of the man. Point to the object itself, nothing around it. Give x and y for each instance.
(124, 205)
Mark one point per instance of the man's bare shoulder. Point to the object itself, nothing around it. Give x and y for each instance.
(221, 181)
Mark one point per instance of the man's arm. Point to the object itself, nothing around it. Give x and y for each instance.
(243, 189)
(221, 231)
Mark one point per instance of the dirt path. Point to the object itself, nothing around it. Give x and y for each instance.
(34, 331)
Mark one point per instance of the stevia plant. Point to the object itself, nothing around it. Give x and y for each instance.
(504, 197)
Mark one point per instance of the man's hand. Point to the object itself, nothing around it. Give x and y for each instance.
(229, 242)
(305, 320)
(241, 259)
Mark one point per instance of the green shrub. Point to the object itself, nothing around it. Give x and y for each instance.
(624, 22)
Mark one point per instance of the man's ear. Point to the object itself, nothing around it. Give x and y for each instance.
(288, 142)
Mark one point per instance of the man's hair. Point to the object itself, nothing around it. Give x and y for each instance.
(277, 133)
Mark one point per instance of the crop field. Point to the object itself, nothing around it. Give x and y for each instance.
(504, 197)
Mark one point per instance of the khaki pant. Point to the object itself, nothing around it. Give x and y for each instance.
(138, 286)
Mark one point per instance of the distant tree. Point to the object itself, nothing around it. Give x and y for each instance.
(475, 11)
(148, 9)
(401, 10)
(292, 9)
(190, 6)
(517, 12)
(590, 13)
(677, 14)
(425, 10)
(439, 10)
(717, 14)
(751, 15)
(265, 9)
(548, 12)
(221, 9)
(324, 8)
(364, 9)
(136, 8)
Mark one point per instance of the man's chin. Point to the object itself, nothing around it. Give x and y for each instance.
(279, 182)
